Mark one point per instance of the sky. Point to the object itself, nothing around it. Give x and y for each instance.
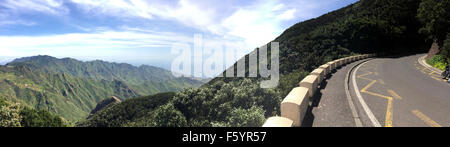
(144, 31)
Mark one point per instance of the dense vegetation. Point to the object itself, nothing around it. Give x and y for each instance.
(384, 27)
(438, 61)
(435, 17)
(239, 103)
(131, 112)
(72, 88)
(17, 115)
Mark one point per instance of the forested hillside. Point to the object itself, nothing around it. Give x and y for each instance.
(72, 88)
(385, 27)
(435, 17)
(136, 112)
(18, 115)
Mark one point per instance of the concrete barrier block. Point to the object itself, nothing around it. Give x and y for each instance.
(341, 62)
(337, 63)
(310, 82)
(344, 61)
(295, 104)
(332, 65)
(360, 57)
(278, 122)
(320, 73)
(348, 60)
(351, 59)
(326, 68)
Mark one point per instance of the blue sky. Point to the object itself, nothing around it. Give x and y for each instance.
(143, 31)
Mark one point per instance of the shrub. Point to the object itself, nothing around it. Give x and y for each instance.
(253, 117)
(168, 116)
(438, 61)
(9, 115)
(40, 118)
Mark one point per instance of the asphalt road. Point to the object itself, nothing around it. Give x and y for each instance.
(331, 108)
(399, 92)
(382, 92)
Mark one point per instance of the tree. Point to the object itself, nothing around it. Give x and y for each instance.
(9, 115)
(435, 15)
(195, 106)
(40, 118)
(445, 50)
(168, 116)
(253, 117)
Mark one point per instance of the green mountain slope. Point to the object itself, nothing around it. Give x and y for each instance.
(131, 112)
(72, 88)
(145, 79)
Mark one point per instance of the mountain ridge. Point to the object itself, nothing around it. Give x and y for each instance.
(72, 88)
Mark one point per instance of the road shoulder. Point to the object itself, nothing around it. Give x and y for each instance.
(332, 108)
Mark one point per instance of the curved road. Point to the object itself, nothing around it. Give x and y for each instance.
(399, 92)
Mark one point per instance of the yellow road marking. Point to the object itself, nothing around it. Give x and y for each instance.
(376, 94)
(426, 119)
(364, 90)
(395, 95)
(362, 76)
(438, 79)
(423, 70)
(381, 81)
(368, 73)
(389, 114)
(432, 74)
(368, 85)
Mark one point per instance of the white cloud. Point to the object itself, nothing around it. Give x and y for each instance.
(121, 8)
(125, 39)
(184, 11)
(16, 22)
(251, 26)
(256, 24)
(11, 10)
(233, 22)
(54, 7)
(278, 7)
(287, 15)
(133, 42)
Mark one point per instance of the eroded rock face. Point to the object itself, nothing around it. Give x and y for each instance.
(103, 104)
(433, 50)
